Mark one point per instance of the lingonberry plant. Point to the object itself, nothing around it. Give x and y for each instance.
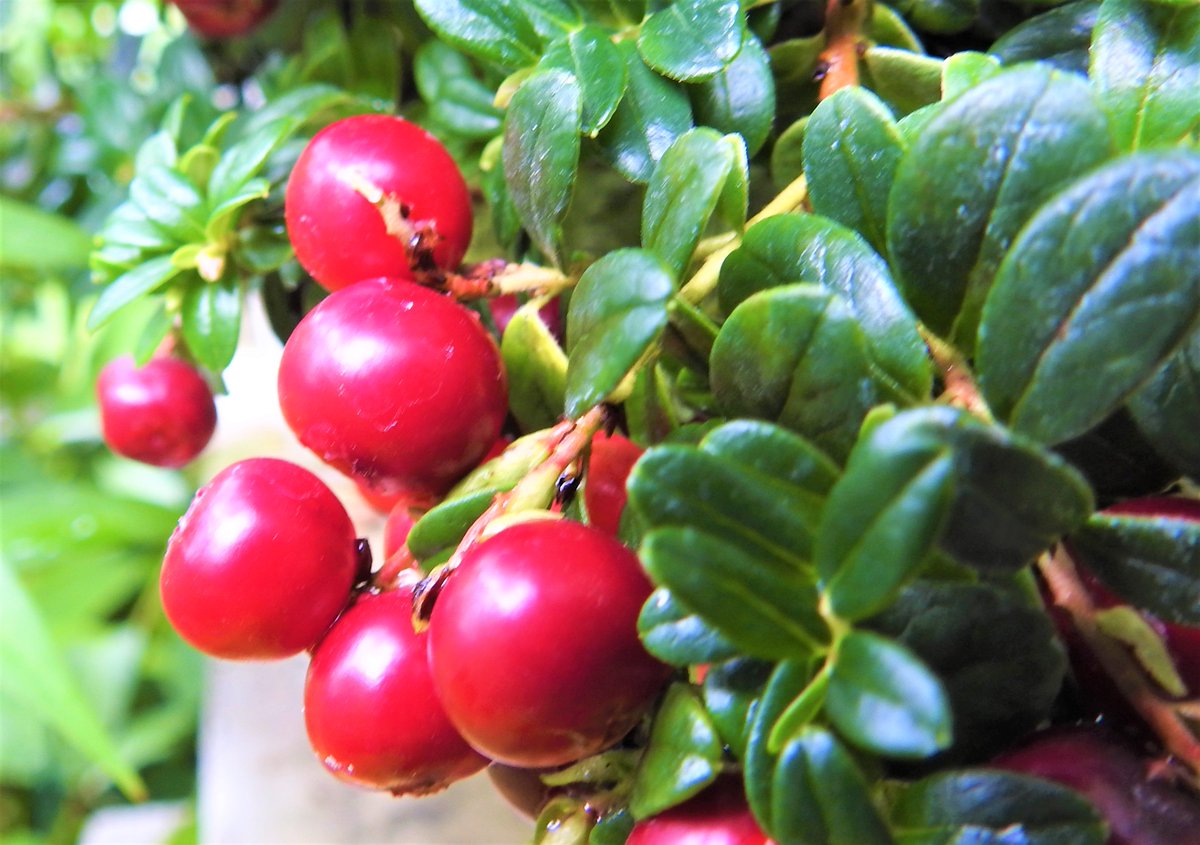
(882, 337)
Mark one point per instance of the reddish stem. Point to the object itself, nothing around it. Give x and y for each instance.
(838, 62)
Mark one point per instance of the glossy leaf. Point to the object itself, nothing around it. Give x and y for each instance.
(792, 248)
(963, 71)
(731, 692)
(223, 217)
(692, 39)
(536, 368)
(211, 315)
(170, 200)
(941, 15)
(618, 310)
(683, 755)
(851, 149)
(244, 160)
(740, 97)
(590, 56)
(904, 80)
(675, 635)
(446, 523)
(765, 611)
(981, 167)
(683, 193)
(541, 154)
(787, 680)
(141, 280)
(1123, 251)
(1060, 37)
(1145, 63)
(651, 115)
(795, 355)
(495, 30)
(883, 699)
(779, 454)
(1167, 407)
(456, 99)
(1153, 562)
(34, 239)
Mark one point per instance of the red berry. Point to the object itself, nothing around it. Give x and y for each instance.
(225, 18)
(161, 414)
(505, 306)
(399, 522)
(395, 385)
(534, 647)
(261, 564)
(717, 816)
(609, 465)
(333, 213)
(372, 715)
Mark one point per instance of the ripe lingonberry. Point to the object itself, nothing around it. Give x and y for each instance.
(604, 495)
(261, 564)
(374, 195)
(161, 414)
(395, 385)
(225, 18)
(534, 647)
(717, 816)
(369, 706)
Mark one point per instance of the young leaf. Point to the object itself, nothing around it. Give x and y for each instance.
(1059, 37)
(1145, 62)
(675, 635)
(963, 71)
(139, 281)
(590, 56)
(683, 755)
(170, 200)
(851, 149)
(244, 160)
(1123, 253)
(541, 154)
(618, 310)
(212, 315)
(692, 39)
(536, 367)
(1167, 407)
(740, 97)
(497, 31)
(977, 172)
(904, 80)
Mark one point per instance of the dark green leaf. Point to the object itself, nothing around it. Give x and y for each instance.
(157, 327)
(139, 281)
(223, 217)
(505, 222)
(787, 155)
(683, 193)
(536, 368)
(651, 115)
(692, 39)
(541, 154)
(212, 316)
(777, 453)
(675, 635)
(904, 80)
(988, 806)
(731, 691)
(981, 168)
(551, 18)
(740, 97)
(456, 99)
(613, 828)
(1166, 408)
(1151, 561)
(170, 200)
(34, 239)
(1094, 297)
(1145, 62)
(851, 148)
(883, 699)
(683, 756)
(791, 248)
(299, 106)
(1059, 37)
(495, 30)
(997, 655)
(796, 355)
(767, 612)
(787, 681)
(243, 161)
(590, 56)
(129, 226)
(445, 524)
(618, 310)
(940, 15)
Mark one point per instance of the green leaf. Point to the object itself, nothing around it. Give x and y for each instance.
(683, 193)
(981, 168)
(904, 80)
(682, 757)
(456, 99)
(651, 115)
(740, 97)
(731, 692)
(497, 31)
(36, 676)
(139, 281)
(300, 106)
(1122, 250)
(128, 225)
(940, 15)
(988, 806)
(618, 310)
(791, 248)
(158, 326)
(963, 71)
(590, 56)
(1145, 63)
(1167, 407)
(997, 655)
(170, 200)
(675, 635)
(692, 39)
(541, 154)
(445, 524)
(851, 149)
(536, 368)
(33, 239)
(883, 699)
(766, 611)
(779, 455)
(787, 680)
(1060, 37)
(212, 316)
(243, 161)
(1151, 561)
(795, 355)
(223, 217)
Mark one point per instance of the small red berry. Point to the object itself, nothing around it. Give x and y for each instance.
(604, 495)
(717, 816)
(369, 706)
(161, 414)
(365, 191)
(261, 564)
(534, 647)
(399, 522)
(503, 308)
(395, 385)
(225, 18)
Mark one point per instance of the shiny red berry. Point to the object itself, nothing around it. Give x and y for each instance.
(400, 521)
(611, 460)
(373, 195)
(161, 414)
(261, 564)
(534, 647)
(717, 816)
(395, 385)
(372, 716)
(225, 18)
